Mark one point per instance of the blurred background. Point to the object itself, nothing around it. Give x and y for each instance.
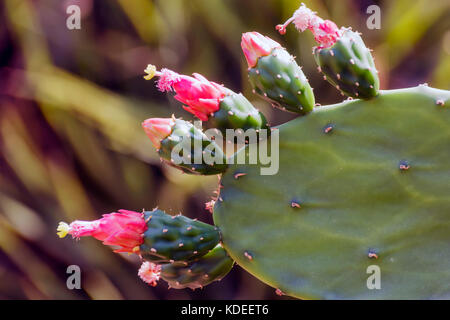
(72, 103)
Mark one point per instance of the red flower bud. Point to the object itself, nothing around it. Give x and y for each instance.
(255, 45)
(158, 129)
(325, 32)
(124, 228)
(201, 96)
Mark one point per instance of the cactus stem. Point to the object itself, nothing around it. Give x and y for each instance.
(248, 255)
(440, 102)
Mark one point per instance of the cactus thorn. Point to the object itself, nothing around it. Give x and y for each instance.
(352, 61)
(338, 76)
(295, 204)
(153, 250)
(279, 76)
(189, 228)
(230, 113)
(299, 92)
(357, 84)
(240, 174)
(328, 128)
(248, 255)
(372, 255)
(279, 292)
(332, 53)
(181, 244)
(404, 165)
(165, 230)
(201, 238)
(324, 77)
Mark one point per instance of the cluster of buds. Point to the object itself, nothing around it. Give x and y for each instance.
(325, 32)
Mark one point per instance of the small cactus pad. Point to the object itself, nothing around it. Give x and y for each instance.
(373, 192)
(213, 266)
(236, 112)
(186, 134)
(278, 78)
(176, 238)
(348, 65)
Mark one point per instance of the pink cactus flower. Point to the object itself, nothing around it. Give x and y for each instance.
(124, 229)
(150, 273)
(158, 129)
(255, 45)
(325, 32)
(201, 96)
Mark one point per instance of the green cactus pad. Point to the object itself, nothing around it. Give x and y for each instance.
(176, 238)
(360, 183)
(348, 65)
(186, 132)
(278, 79)
(213, 266)
(236, 112)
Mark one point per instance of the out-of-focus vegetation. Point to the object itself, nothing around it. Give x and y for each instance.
(71, 104)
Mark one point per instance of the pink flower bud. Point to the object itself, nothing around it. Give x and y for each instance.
(124, 229)
(255, 45)
(150, 273)
(201, 96)
(325, 32)
(158, 129)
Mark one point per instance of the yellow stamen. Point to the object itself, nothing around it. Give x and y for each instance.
(63, 229)
(150, 71)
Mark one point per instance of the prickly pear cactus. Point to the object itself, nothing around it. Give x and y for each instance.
(363, 186)
(360, 183)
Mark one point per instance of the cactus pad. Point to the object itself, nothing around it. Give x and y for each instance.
(213, 266)
(176, 238)
(360, 183)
